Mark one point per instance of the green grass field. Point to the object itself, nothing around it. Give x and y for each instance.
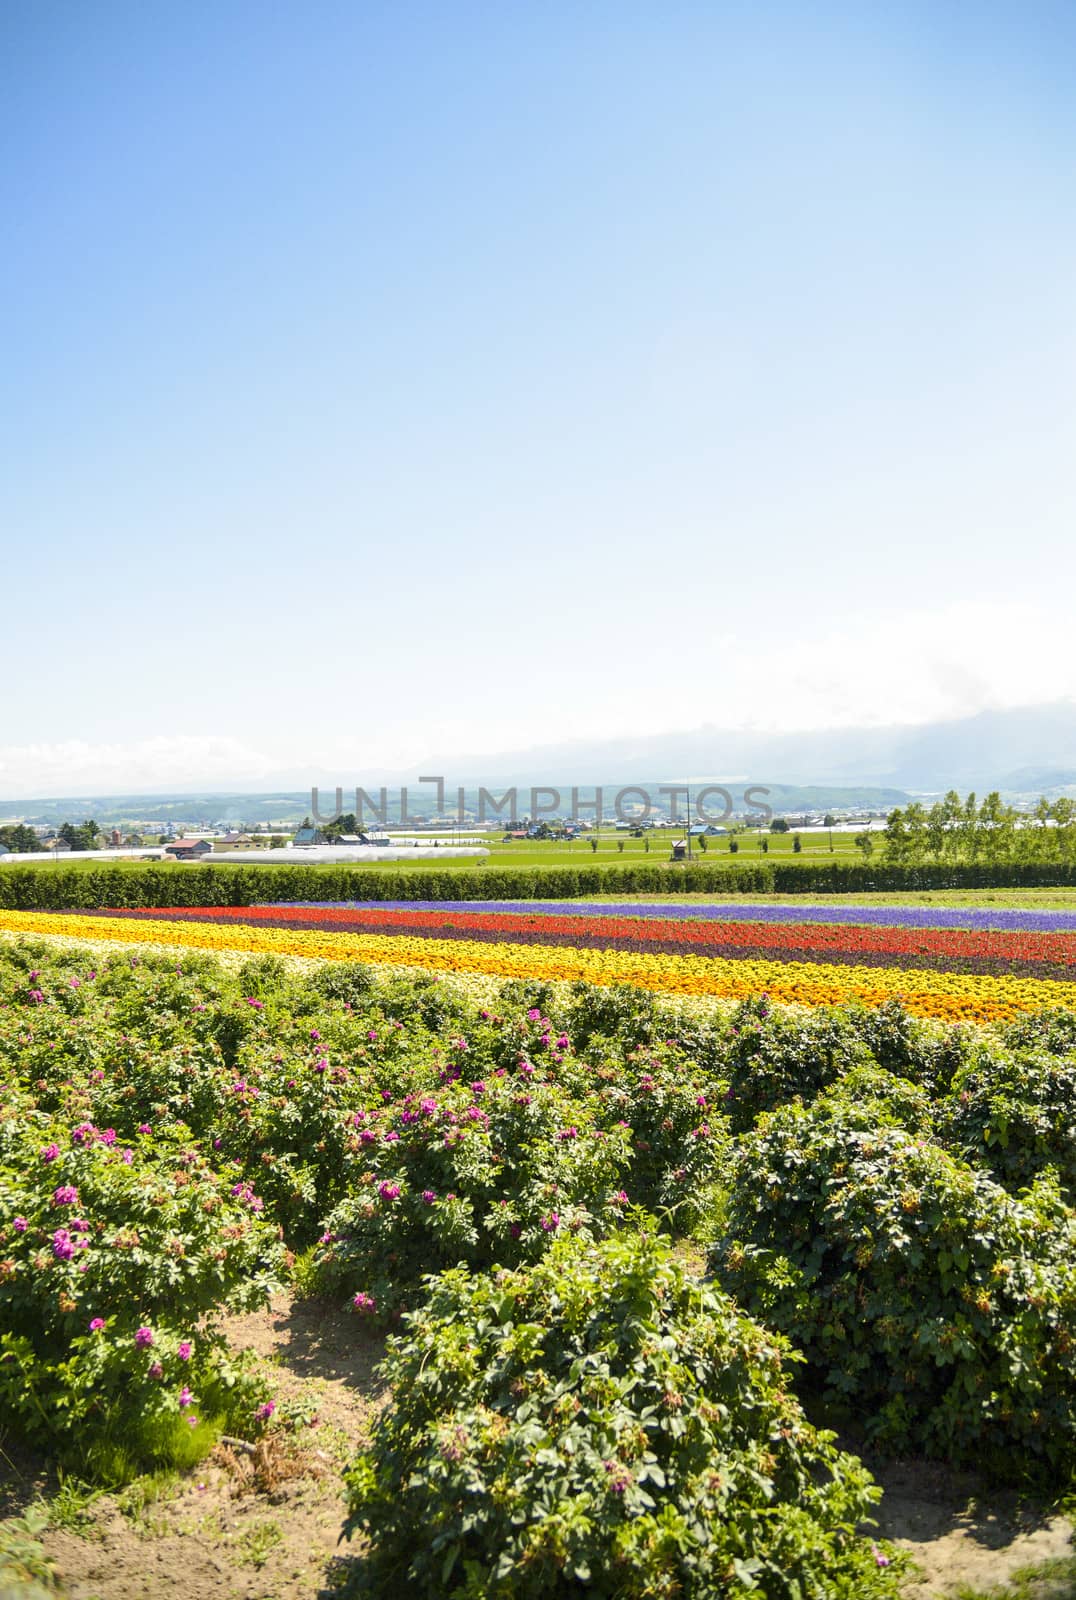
(613, 848)
(558, 853)
(1015, 899)
(528, 853)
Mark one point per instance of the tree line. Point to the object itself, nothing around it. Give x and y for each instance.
(953, 829)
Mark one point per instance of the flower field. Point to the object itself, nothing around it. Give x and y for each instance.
(952, 973)
(497, 1134)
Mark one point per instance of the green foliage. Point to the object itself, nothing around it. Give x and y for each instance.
(603, 1424)
(147, 884)
(614, 1012)
(775, 1056)
(1053, 1029)
(482, 1172)
(18, 838)
(918, 1289)
(111, 1257)
(1015, 1113)
(993, 833)
(895, 1038)
(869, 1097)
(26, 1573)
(84, 837)
(386, 1126)
(679, 1132)
(350, 982)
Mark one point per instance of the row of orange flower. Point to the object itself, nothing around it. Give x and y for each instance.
(946, 996)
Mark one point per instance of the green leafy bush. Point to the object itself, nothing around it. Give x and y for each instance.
(907, 1045)
(1052, 1029)
(1014, 1113)
(150, 885)
(26, 1573)
(602, 1424)
(352, 982)
(775, 1056)
(679, 1132)
(616, 1012)
(917, 1288)
(870, 1097)
(482, 1172)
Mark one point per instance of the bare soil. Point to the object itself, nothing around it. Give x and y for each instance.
(217, 1535)
(958, 1537)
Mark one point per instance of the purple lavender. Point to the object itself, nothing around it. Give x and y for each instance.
(975, 918)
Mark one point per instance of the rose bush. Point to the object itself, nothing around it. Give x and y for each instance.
(920, 1292)
(481, 1172)
(1014, 1113)
(601, 1423)
(115, 1261)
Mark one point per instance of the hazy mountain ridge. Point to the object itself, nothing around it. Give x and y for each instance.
(986, 751)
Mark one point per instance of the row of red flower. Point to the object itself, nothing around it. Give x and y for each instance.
(1031, 954)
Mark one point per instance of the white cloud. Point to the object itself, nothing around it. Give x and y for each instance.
(906, 667)
(180, 761)
(913, 667)
(874, 669)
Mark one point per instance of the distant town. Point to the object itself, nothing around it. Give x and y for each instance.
(198, 837)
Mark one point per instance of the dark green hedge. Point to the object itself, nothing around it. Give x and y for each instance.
(58, 888)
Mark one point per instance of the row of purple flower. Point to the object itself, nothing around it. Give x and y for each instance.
(969, 917)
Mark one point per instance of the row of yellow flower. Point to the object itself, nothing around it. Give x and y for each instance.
(946, 996)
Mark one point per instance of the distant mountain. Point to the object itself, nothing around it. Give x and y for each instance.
(151, 813)
(116, 810)
(982, 752)
(1040, 780)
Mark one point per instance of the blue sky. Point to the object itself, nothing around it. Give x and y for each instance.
(393, 381)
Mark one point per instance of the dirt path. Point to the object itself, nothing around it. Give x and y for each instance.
(957, 1538)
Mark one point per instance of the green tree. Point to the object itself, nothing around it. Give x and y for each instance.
(935, 830)
(952, 817)
(18, 837)
(969, 836)
(779, 825)
(1064, 815)
(896, 837)
(865, 842)
(915, 828)
(347, 823)
(82, 837)
(996, 829)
